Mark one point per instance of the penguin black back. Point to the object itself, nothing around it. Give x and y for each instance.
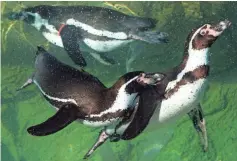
(87, 14)
(55, 77)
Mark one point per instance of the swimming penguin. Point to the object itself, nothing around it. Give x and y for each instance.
(95, 30)
(184, 84)
(116, 134)
(77, 95)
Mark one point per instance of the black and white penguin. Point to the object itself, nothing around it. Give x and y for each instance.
(116, 132)
(77, 95)
(180, 91)
(95, 30)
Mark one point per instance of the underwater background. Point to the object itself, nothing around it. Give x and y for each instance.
(178, 142)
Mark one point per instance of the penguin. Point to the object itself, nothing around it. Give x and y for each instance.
(95, 30)
(179, 93)
(78, 95)
(116, 134)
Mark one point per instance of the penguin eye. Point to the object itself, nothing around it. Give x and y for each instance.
(203, 33)
(30, 19)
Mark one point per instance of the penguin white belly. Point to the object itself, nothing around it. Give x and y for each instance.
(100, 46)
(180, 103)
(105, 46)
(120, 129)
(53, 38)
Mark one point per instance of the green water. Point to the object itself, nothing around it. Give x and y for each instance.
(178, 142)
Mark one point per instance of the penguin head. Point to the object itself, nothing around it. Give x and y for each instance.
(31, 14)
(204, 36)
(23, 16)
(135, 82)
(150, 78)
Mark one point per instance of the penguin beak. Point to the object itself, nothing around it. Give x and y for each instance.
(221, 26)
(17, 16)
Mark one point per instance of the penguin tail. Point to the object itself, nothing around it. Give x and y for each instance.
(152, 37)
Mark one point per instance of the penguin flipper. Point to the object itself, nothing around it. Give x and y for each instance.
(100, 140)
(102, 58)
(70, 36)
(196, 115)
(64, 116)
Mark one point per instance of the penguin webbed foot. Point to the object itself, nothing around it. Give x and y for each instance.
(197, 117)
(28, 82)
(203, 135)
(70, 36)
(100, 140)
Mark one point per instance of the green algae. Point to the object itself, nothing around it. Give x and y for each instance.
(180, 143)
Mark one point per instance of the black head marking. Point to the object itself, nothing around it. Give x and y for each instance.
(188, 39)
(186, 47)
(202, 41)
